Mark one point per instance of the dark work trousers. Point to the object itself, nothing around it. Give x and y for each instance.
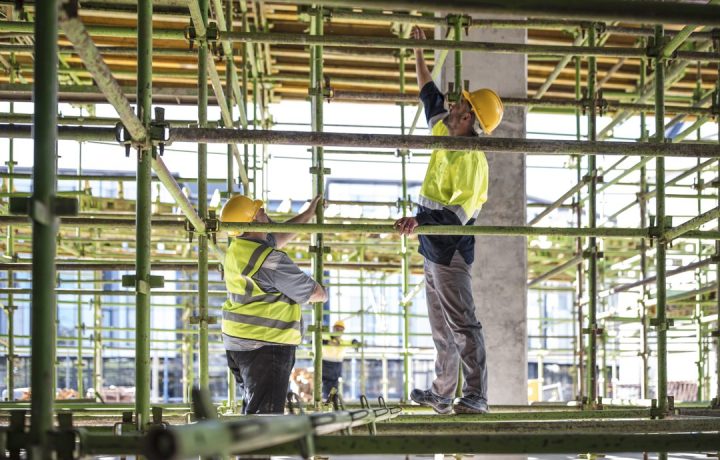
(264, 376)
(457, 333)
(331, 373)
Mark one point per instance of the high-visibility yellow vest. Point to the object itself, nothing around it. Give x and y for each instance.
(249, 312)
(456, 180)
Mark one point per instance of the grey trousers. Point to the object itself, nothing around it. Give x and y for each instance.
(457, 333)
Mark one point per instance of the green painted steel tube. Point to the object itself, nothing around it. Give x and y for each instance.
(230, 76)
(203, 354)
(97, 343)
(717, 267)
(592, 327)
(26, 28)
(405, 261)
(44, 310)
(212, 437)
(143, 218)
(521, 443)
(277, 38)
(10, 249)
(593, 10)
(661, 295)
(316, 102)
(102, 75)
(506, 145)
(691, 224)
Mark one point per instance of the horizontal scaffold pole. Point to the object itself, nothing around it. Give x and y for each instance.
(394, 141)
(489, 144)
(361, 41)
(653, 12)
(516, 443)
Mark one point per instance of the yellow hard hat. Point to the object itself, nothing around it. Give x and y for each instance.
(487, 106)
(339, 323)
(240, 208)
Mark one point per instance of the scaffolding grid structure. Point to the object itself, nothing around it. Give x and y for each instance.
(60, 245)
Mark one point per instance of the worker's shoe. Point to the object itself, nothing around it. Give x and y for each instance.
(470, 404)
(428, 398)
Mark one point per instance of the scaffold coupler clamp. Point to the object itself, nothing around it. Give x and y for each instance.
(160, 130)
(190, 229)
(715, 104)
(212, 225)
(462, 20)
(122, 136)
(190, 35)
(143, 286)
(601, 103)
(211, 37)
(593, 251)
(42, 212)
(593, 330)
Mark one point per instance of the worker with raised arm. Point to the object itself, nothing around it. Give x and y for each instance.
(452, 193)
(261, 318)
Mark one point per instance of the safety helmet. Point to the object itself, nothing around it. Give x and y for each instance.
(240, 208)
(487, 106)
(339, 323)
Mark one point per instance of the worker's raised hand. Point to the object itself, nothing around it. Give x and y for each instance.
(406, 225)
(417, 33)
(318, 199)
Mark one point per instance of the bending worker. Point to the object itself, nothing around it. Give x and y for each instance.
(453, 191)
(262, 321)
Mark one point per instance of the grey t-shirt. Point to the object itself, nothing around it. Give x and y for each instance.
(277, 274)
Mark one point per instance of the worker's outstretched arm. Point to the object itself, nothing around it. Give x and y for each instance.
(281, 239)
(421, 68)
(318, 295)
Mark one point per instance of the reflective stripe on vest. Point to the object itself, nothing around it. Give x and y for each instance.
(250, 312)
(455, 180)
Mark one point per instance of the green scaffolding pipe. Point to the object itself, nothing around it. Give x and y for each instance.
(143, 211)
(661, 323)
(42, 379)
(592, 328)
(277, 38)
(26, 28)
(528, 146)
(316, 102)
(501, 145)
(692, 224)
(205, 64)
(523, 443)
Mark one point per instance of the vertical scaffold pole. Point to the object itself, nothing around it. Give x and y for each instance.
(203, 319)
(229, 72)
(642, 202)
(592, 223)
(405, 262)
(11, 252)
(143, 218)
(716, 45)
(661, 319)
(579, 274)
(44, 224)
(316, 102)
(97, 340)
(80, 326)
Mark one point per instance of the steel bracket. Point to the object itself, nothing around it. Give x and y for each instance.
(212, 225)
(40, 212)
(143, 286)
(190, 228)
(315, 170)
(157, 413)
(462, 20)
(588, 253)
(593, 330)
(159, 131)
(662, 325)
(196, 319)
(315, 250)
(122, 136)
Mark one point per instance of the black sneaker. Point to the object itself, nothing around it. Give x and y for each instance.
(428, 398)
(470, 404)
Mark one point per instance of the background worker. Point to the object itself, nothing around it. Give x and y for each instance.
(262, 321)
(452, 193)
(333, 356)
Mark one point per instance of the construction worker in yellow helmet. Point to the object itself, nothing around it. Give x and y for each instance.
(453, 192)
(262, 321)
(334, 348)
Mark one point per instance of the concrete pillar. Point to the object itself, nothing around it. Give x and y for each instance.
(500, 267)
